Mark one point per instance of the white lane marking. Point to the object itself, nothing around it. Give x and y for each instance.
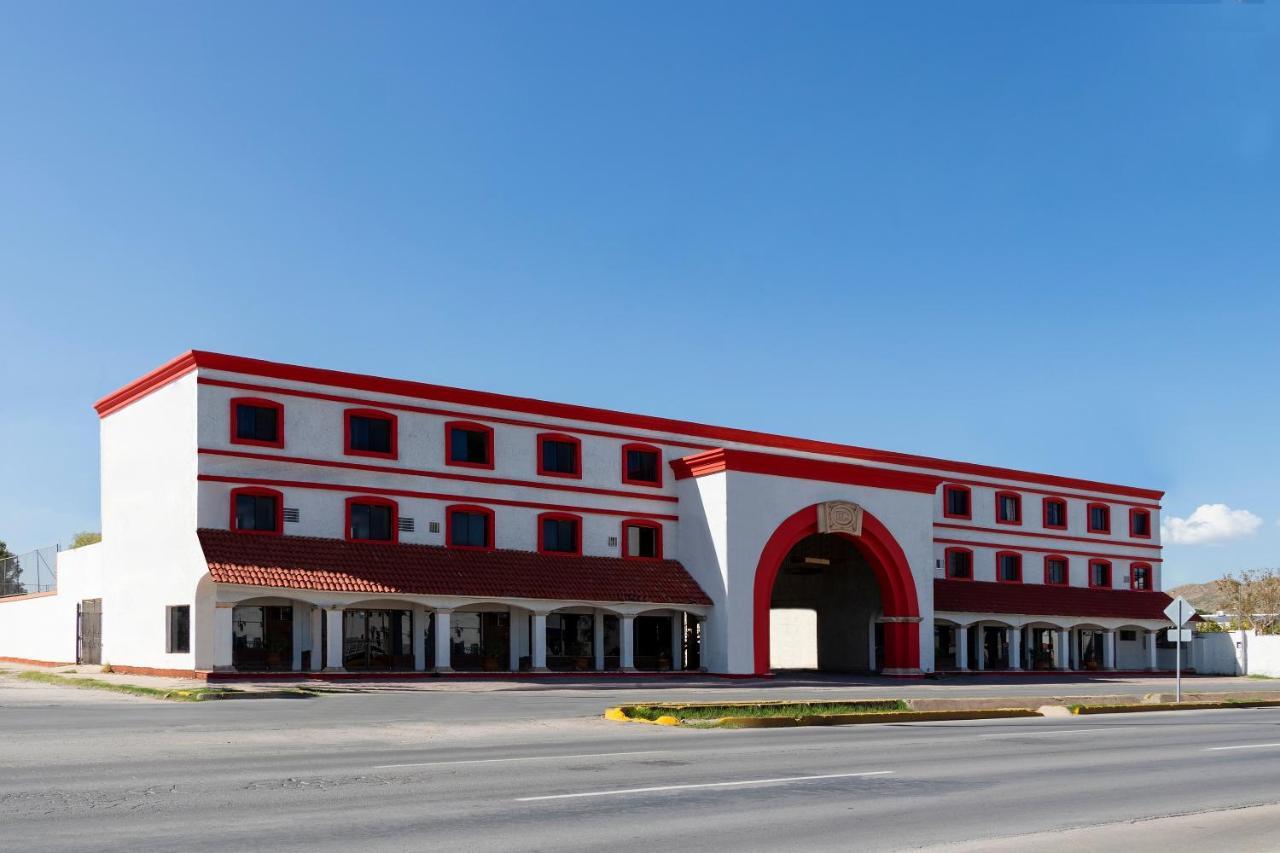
(519, 758)
(777, 781)
(1243, 746)
(1041, 733)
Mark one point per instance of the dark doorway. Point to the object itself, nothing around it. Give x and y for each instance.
(944, 647)
(262, 637)
(995, 647)
(480, 641)
(377, 639)
(653, 643)
(89, 631)
(571, 641)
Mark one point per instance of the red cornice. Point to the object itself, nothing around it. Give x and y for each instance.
(139, 388)
(566, 411)
(750, 462)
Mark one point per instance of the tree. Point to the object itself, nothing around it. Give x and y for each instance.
(10, 572)
(85, 537)
(1253, 598)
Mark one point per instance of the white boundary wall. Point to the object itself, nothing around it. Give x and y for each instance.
(43, 627)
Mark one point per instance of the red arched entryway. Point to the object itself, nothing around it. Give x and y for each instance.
(886, 559)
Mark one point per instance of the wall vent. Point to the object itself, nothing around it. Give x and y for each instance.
(433, 527)
(405, 524)
(292, 515)
(613, 541)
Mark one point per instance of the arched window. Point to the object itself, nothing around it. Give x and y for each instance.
(468, 445)
(1100, 574)
(1057, 570)
(559, 455)
(257, 421)
(1055, 514)
(641, 539)
(559, 533)
(641, 465)
(1008, 508)
(255, 510)
(368, 432)
(1009, 567)
(959, 564)
(957, 501)
(1139, 523)
(1099, 516)
(468, 526)
(1141, 577)
(372, 519)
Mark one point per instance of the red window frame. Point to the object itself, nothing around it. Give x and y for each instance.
(1088, 518)
(1018, 502)
(568, 439)
(470, 426)
(652, 525)
(946, 563)
(259, 491)
(654, 484)
(1045, 513)
(347, 415)
(1066, 575)
(263, 403)
(1134, 512)
(468, 508)
(1133, 577)
(1001, 555)
(946, 511)
(377, 501)
(1110, 574)
(560, 516)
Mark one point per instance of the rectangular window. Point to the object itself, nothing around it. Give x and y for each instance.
(1140, 523)
(560, 535)
(1099, 518)
(369, 434)
(469, 529)
(178, 639)
(641, 465)
(956, 502)
(372, 521)
(1128, 636)
(1055, 571)
(1140, 578)
(559, 457)
(642, 541)
(960, 564)
(1100, 574)
(257, 512)
(1055, 513)
(1008, 508)
(1010, 567)
(469, 446)
(257, 424)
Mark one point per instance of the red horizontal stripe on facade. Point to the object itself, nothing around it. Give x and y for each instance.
(1006, 531)
(566, 411)
(956, 596)
(1005, 546)
(441, 475)
(433, 496)
(751, 462)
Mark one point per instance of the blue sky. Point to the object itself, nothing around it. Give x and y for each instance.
(1033, 235)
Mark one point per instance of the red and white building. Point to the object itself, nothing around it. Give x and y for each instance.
(259, 516)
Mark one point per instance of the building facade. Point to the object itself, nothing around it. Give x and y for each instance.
(263, 517)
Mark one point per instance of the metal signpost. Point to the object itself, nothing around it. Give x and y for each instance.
(1179, 612)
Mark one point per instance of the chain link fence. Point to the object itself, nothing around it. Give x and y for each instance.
(34, 571)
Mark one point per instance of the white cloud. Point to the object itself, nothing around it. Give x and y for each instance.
(1210, 523)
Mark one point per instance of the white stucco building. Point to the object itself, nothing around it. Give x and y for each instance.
(264, 517)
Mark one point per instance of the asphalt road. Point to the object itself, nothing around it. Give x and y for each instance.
(536, 770)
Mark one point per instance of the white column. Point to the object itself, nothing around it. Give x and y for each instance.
(222, 633)
(444, 656)
(979, 650)
(627, 629)
(1109, 649)
(1015, 648)
(520, 637)
(513, 641)
(420, 618)
(1151, 650)
(597, 639)
(1064, 648)
(539, 642)
(677, 642)
(962, 648)
(333, 656)
(299, 629)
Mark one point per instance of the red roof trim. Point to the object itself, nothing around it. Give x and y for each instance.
(303, 562)
(1034, 599)
(141, 387)
(406, 388)
(750, 462)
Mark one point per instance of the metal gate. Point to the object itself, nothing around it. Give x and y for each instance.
(89, 631)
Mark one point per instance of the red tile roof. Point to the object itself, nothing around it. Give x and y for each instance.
(1035, 599)
(304, 562)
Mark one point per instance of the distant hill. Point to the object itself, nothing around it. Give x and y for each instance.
(1204, 596)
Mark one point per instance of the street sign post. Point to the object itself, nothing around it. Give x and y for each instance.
(1179, 612)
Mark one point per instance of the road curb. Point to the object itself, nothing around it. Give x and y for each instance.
(620, 714)
(1089, 710)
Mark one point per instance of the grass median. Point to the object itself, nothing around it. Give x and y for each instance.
(172, 694)
(764, 709)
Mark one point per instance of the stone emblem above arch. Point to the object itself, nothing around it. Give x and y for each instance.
(840, 517)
